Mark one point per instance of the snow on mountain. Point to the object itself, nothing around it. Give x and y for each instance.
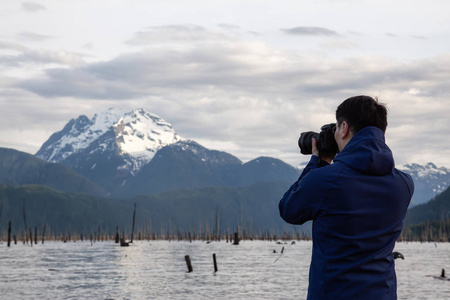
(437, 179)
(141, 134)
(138, 136)
(79, 134)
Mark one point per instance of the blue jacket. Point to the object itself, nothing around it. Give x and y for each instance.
(357, 205)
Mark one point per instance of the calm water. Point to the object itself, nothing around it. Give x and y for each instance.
(157, 270)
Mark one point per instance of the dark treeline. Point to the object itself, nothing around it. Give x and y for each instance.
(429, 231)
(39, 236)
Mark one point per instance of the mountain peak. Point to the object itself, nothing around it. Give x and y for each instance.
(135, 135)
(429, 180)
(140, 134)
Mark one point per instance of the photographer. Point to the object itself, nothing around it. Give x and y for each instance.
(357, 201)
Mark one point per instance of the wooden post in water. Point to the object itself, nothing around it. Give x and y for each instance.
(215, 262)
(9, 234)
(35, 235)
(132, 226)
(117, 239)
(188, 263)
(43, 234)
(236, 238)
(25, 221)
(31, 238)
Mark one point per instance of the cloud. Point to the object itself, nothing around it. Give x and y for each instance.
(32, 6)
(319, 31)
(34, 37)
(339, 44)
(419, 37)
(229, 26)
(392, 35)
(30, 56)
(174, 33)
(12, 46)
(252, 96)
(231, 66)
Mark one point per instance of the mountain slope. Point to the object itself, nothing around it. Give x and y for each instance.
(252, 208)
(19, 168)
(436, 209)
(61, 212)
(429, 181)
(110, 148)
(188, 165)
(264, 169)
(185, 164)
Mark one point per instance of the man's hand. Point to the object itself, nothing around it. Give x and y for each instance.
(315, 151)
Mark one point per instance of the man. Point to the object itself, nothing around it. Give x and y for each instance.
(357, 205)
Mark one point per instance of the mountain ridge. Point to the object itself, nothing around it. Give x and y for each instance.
(137, 152)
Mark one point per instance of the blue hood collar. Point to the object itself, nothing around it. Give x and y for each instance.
(367, 152)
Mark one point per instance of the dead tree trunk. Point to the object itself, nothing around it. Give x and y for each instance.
(132, 226)
(43, 234)
(9, 234)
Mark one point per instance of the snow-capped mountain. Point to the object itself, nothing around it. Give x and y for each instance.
(429, 181)
(111, 147)
(126, 153)
(137, 136)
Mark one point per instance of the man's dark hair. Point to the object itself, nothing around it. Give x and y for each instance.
(362, 111)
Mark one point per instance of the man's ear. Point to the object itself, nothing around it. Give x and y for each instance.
(345, 130)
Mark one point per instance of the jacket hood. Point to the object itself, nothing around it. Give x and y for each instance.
(367, 152)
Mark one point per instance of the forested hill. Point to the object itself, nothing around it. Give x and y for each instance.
(437, 208)
(19, 168)
(252, 208)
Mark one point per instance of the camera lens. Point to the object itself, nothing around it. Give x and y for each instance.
(305, 141)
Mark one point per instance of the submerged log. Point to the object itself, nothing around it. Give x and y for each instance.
(123, 243)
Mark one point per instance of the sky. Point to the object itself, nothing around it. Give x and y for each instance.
(245, 77)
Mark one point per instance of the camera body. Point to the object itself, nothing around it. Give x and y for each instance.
(326, 144)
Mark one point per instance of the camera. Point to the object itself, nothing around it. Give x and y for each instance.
(325, 140)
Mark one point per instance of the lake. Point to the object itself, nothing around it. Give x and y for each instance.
(157, 270)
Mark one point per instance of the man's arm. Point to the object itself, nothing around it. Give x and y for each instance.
(302, 201)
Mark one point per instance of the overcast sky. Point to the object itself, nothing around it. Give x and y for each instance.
(245, 77)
